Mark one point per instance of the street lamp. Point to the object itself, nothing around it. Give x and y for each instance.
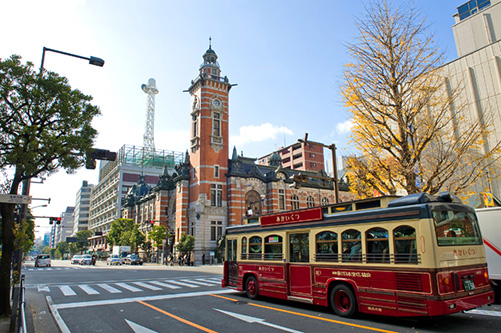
(18, 254)
(92, 60)
(332, 147)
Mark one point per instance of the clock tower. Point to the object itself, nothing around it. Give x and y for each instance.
(208, 152)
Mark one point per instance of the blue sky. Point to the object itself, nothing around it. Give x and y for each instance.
(287, 58)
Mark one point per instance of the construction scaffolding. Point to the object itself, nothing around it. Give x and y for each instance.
(143, 157)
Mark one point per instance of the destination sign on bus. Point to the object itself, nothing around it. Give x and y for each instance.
(305, 215)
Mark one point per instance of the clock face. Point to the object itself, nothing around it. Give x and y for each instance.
(216, 102)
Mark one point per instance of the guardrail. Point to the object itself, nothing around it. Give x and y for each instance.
(21, 324)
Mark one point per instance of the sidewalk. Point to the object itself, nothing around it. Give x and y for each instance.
(39, 319)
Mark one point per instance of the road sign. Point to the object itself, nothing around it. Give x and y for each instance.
(15, 198)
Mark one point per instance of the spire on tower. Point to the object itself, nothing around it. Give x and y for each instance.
(148, 137)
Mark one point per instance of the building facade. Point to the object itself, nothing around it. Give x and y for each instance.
(477, 34)
(82, 207)
(307, 156)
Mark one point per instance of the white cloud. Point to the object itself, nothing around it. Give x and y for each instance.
(344, 127)
(260, 133)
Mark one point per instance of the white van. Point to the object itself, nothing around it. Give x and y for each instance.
(42, 260)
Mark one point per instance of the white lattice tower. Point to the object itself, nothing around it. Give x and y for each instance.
(148, 137)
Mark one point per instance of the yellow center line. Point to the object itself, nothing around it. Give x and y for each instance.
(178, 318)
(310, 316)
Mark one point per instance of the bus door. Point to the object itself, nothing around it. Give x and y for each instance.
(299, 265)
(232, 262)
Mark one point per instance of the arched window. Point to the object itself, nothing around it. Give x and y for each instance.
(244, 248)
(377, 245)
(310, 201)
(295, 202)
(405, 245)
(273, 247)
(327, 246)
(255, 248)
(252, 203)
(352, 246)
(325, 201)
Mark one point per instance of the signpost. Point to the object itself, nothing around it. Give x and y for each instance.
(15, 198)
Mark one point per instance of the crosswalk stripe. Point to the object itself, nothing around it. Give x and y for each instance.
(126, 286)
(181, 284)
(88, 290)
(166, 285)
(209, 281)
(109, 288)
(197, 282)
(67, 291)
(147, 286)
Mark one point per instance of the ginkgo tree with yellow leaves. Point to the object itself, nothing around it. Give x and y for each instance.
(414, 132)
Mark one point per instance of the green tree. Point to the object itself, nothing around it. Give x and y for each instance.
(124, 232)
(396, 90)
(157, 235)
(61, 249)
(45, 126)
(186, 243)
(82, 242)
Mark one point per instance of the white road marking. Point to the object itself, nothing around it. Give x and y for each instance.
(182, 284)
(138, 328)
(126, 286)
(88, 290)
(67, 291)
(143, 298)
(197, 282)
(166, 285)
(261, 321)
(109, 288)
(43, 288)
(60, 322)
(147, 286)
(209, 281)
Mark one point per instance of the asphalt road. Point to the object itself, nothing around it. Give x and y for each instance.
(154, 298)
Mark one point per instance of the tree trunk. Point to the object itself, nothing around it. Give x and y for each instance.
(7, 211)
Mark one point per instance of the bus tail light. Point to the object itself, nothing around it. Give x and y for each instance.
(445, 283)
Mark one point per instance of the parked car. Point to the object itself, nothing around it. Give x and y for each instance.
(42, 260)
(114, 259)
(86, 260)
(133, 259)
(76, 259)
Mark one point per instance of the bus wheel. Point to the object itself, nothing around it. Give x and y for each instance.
(251, 288)
(343, 301)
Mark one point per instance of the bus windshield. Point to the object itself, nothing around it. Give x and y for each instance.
(456, 228)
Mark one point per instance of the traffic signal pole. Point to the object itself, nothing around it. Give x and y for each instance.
(17, 260)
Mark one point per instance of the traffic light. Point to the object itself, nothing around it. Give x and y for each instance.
(54, 220)
(98, 154)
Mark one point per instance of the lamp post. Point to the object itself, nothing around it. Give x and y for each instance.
(18, 254)
(332, 147)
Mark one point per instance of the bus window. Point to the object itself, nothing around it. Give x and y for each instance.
(326, 244)
(273, 248)
(456, 228)
(352, 246)
(244, 248)
(377, 245)
(405, 245)
(255, 248)
(299, 246)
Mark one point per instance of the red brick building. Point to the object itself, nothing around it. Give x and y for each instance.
(210, 190)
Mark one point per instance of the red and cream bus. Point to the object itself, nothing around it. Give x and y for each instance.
(418, 255)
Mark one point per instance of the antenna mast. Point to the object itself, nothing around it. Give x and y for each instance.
(148, 137)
